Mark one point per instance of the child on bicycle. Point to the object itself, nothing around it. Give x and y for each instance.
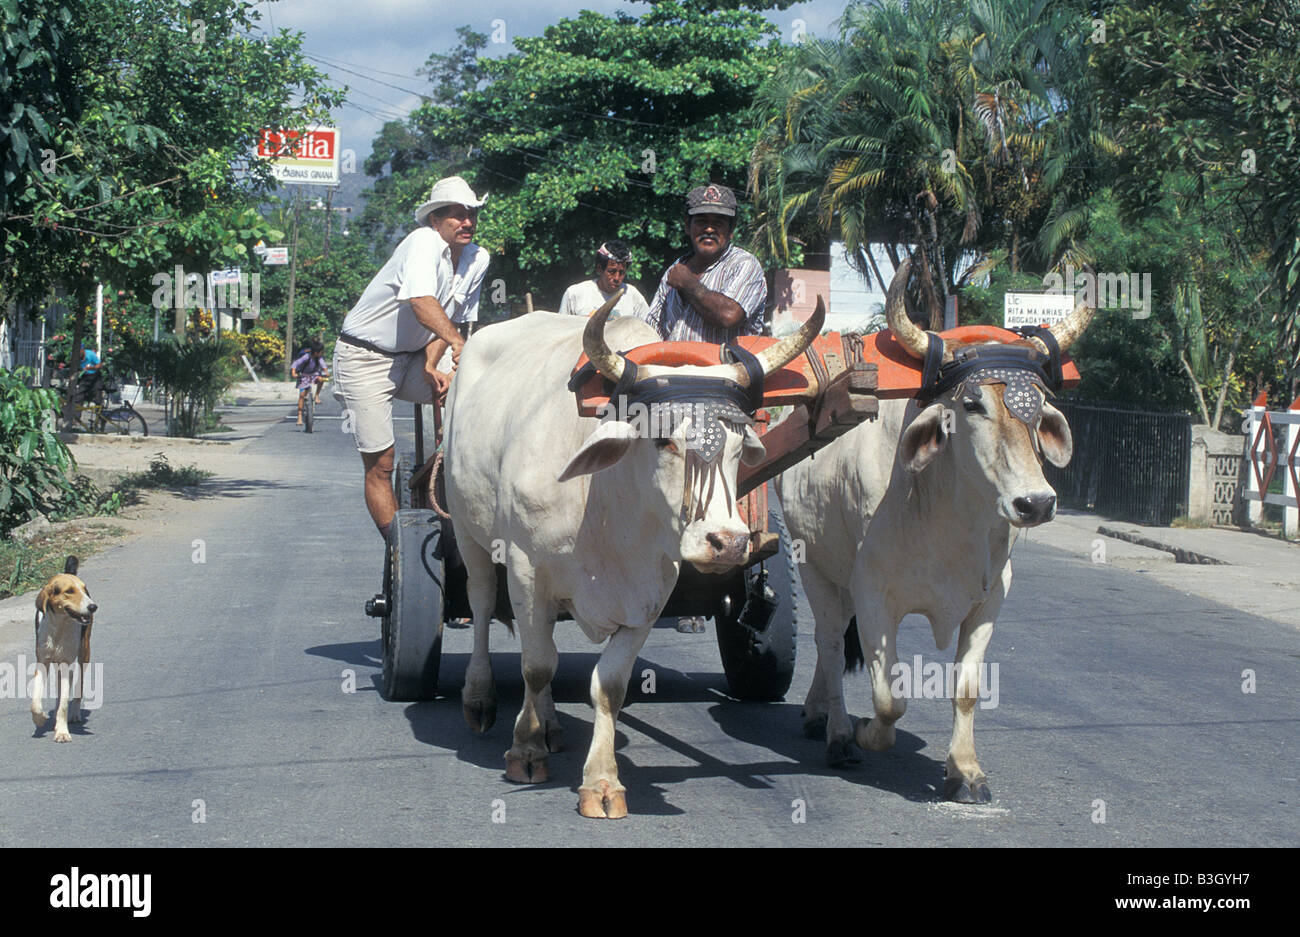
(310, 372)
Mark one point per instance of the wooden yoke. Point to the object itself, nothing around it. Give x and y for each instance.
(897, 373)
(830, 395)
(835, 385)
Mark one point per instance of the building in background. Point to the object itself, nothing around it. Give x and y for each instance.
(854, 303)
(22, 338)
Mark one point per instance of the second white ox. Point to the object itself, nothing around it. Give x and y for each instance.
(592, 518)
(915, 512)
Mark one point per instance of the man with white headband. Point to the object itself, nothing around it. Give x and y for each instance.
(405, 322)
(582, 299)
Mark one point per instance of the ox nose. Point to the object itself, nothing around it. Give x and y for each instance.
(727, 547)
(1035, 509)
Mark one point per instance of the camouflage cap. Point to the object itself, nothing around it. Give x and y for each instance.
(711, 199)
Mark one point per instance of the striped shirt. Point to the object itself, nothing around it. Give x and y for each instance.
(736, 275)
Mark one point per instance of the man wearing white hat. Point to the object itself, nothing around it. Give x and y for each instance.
(405, 322)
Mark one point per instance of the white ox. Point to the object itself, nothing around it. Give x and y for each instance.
(592, 518)
(915, 512)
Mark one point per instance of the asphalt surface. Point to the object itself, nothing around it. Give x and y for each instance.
(229, 641)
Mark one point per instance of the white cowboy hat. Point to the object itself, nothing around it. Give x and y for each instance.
(450, 191)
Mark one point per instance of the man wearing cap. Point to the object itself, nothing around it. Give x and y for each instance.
(406, 320)
(713, 294)
(717, 291)
(582, 299)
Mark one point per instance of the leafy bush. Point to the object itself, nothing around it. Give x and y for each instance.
(265, 349)
(34, 464)
(195, 375)
(162, 474)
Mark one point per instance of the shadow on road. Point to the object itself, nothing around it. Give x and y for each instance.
(774, 727)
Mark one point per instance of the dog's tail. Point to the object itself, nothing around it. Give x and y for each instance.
(70, 565)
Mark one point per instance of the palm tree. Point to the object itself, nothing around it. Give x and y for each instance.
(934, 121)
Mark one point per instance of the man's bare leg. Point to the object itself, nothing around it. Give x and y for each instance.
(380, 501)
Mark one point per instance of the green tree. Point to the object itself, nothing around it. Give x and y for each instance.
(148, 167)
(594, 130)
(406, 158)
(1207, 333)
(334, 269)
(962, 124)
(1210, 91)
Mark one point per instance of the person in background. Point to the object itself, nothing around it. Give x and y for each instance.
(714, 293)
(582, 299)
(90, 379)
(309, 371)
(325, 374)
(717, 291)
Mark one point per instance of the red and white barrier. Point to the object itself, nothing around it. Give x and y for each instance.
(1273, 450)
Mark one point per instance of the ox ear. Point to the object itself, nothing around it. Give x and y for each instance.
(923, 439)
(603, 448)
(752, 449)
(1054, 437)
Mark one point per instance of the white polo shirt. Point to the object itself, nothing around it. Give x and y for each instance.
(420, 266)
(582, 299)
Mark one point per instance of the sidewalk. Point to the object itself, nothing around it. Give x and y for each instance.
(1245, 570)
(256, 408)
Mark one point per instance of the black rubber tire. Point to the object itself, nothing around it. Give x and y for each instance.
(412, 630)
(125, 422)
(402, 471)
(760, 667)
(308, 412)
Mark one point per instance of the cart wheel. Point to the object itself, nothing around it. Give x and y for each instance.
(412, 627)
(403, 468)
(758, 661)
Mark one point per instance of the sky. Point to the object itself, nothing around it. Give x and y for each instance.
(375, 46)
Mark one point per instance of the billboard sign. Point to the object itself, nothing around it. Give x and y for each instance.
(302, 157)
(1035, 309)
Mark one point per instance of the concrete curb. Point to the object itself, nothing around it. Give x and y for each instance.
(1181, 554)
(165, 442)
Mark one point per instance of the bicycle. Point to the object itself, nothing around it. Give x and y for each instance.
(94, 417)
(309, 402)
(309, 410)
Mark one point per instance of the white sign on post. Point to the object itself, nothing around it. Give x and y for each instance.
(225, 276)
(302, 157)
(276, 256)
(1035, 309)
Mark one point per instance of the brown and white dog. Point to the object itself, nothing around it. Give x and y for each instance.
(64, 616)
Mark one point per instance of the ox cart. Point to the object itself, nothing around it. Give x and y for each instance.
(828, 391)
(752, 608)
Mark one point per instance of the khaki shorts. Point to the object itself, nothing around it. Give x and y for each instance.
(366, 383)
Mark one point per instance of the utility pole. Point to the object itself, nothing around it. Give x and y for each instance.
(329, 211)
(293, 273)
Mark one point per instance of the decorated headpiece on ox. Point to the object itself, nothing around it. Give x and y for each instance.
(693, 426)
(989, 401)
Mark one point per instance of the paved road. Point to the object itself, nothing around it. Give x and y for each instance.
(224, 700)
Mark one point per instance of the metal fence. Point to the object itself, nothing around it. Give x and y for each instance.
(1128, 464)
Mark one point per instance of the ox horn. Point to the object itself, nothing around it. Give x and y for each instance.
(607, 362)
(1067, 331)
(777, 356)
(1076, 323)
(908, 334)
